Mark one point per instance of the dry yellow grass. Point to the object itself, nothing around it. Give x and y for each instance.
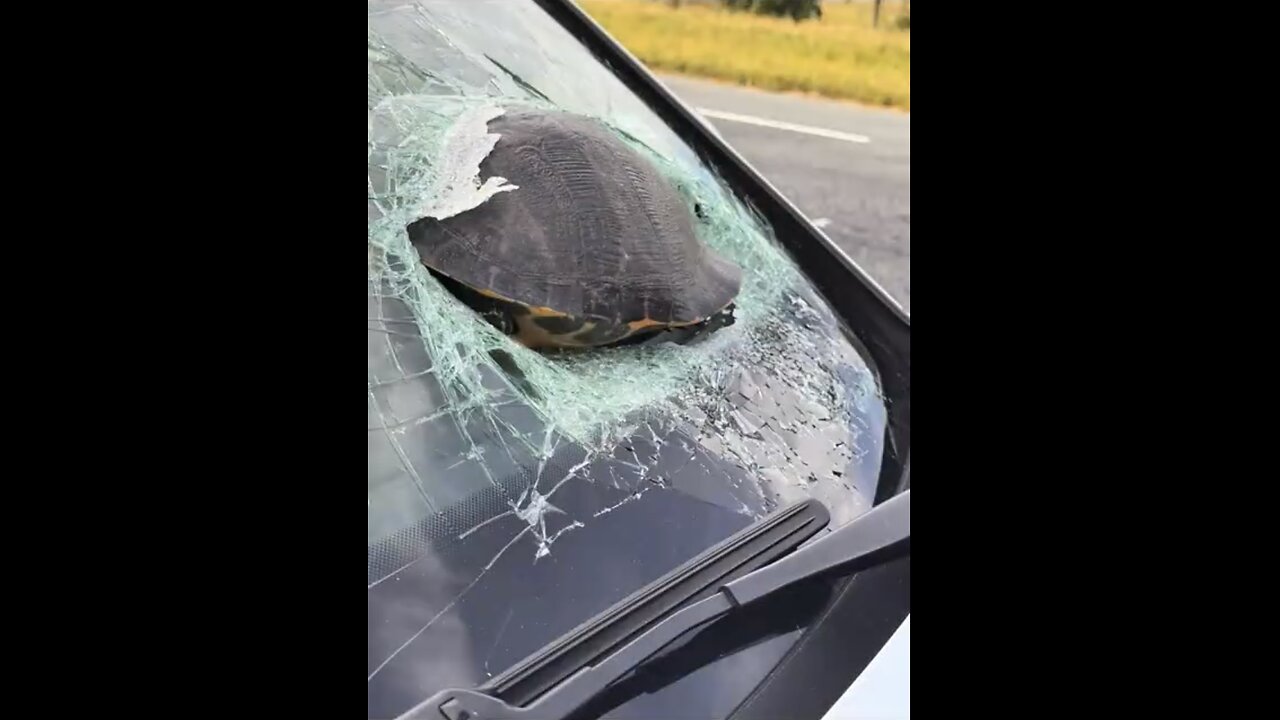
(840, 56)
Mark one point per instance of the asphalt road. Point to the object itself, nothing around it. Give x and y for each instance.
(848, 168)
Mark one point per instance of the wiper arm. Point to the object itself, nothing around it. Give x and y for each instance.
(746, 550)
(867, 540)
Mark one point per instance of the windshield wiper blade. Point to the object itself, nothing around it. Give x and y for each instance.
(879, 534)
(746, 550)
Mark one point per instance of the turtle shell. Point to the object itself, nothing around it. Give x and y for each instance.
(593, 232)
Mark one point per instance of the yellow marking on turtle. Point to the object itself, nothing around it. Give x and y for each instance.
(540, 311)
(535, 310)
(534, 336)
(638, 325)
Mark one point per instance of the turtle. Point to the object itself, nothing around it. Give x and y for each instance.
(594, 247)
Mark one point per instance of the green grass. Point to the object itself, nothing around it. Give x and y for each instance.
(840, 56)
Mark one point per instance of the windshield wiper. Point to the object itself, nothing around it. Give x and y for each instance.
(560, 679)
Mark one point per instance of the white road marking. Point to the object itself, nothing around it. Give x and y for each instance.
(776, 125)
(821, 222)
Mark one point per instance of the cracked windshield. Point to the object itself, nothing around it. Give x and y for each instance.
(588, 360)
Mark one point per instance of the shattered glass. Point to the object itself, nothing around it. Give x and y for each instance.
(503, 482)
